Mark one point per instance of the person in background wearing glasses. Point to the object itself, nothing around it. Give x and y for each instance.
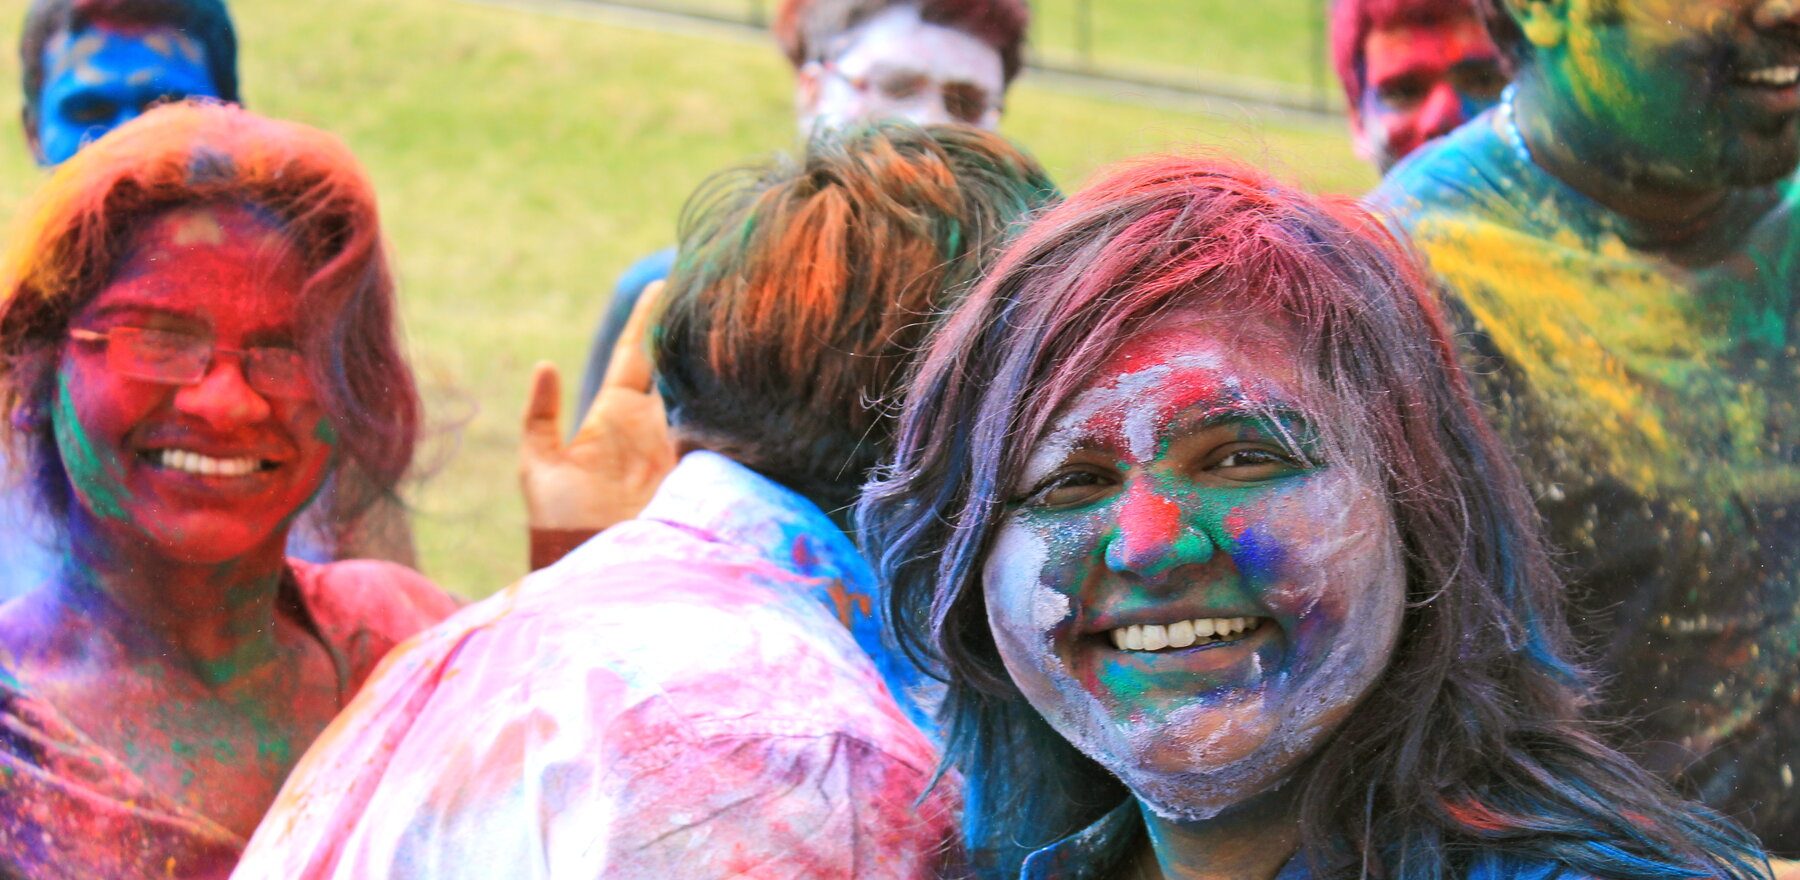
(197, 332)
(922, 61)
(1412, 70)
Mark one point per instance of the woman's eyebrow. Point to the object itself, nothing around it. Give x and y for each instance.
(142, 310)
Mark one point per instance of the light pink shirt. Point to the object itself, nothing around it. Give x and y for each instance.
(668, 701)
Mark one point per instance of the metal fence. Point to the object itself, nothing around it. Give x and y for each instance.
(1069, 46)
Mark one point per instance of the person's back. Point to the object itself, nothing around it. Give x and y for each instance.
(703, 691)
(665, 701)
(1638, 349)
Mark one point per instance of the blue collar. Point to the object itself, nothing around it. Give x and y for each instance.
(1102, 850)
(723, 500)
(709, 493)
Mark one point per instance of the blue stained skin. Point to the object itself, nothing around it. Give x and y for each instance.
(1259, 555)
(101, 77)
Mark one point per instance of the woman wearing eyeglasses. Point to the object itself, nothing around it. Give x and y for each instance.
(197, 332)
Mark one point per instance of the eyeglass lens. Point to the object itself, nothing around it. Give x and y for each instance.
(183, 359)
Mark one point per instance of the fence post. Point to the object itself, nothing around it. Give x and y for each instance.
(1321, 92)
(1084, 33)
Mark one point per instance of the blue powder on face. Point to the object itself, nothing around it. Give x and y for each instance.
(1258, 556)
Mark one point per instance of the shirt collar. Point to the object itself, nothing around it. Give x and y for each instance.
(1101, 850)
(728, 502)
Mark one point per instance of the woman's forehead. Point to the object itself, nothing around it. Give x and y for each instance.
(206, 259)
(210, 225)
(1187, 361)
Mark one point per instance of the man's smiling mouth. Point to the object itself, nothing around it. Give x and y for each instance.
(1183, 633)
(1778, 76)
(187, 461)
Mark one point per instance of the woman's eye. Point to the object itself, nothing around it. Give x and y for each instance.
(1255, 464)
(1068, 489)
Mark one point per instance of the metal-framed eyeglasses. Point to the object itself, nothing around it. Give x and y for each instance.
(172, 358)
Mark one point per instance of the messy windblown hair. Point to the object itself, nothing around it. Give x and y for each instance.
(802, 287)
(68, 241)
(1469, 748)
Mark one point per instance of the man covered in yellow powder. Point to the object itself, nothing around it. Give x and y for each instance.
(1618, 238)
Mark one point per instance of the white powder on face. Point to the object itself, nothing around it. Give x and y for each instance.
(898, 40)
(1125, 394)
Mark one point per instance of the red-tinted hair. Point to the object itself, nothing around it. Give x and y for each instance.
(68, 240)
(802, 289)
(1474, 724)
(807, 30)
(1352, 20)
(207, 22)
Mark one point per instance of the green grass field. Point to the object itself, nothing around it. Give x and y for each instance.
(524, 160)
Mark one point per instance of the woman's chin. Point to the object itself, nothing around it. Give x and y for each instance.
(1206, 795)
(211, 543)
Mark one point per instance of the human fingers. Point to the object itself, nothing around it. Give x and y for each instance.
(630, 367)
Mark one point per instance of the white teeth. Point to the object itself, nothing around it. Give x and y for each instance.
(1774, 76)
(1182, 633)
(205, 465)
(1156, 637)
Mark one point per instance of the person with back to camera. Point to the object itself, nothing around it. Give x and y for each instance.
(197, 332)
(1618, 242)
(702, 691)
(1227, 574)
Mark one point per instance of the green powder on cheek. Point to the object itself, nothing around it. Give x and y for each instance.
(87, 468)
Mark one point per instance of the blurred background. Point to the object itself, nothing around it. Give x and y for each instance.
(527, 151)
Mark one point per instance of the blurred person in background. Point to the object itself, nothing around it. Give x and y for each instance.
(1618, 239)
(702, 691)
(1412, 70)
(197, 334)
(923, 61)
(88, 67)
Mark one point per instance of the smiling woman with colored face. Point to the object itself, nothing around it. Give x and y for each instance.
(197, 337)
(1227, 575)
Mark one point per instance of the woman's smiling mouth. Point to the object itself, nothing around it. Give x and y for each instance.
(190, 462)
(1184, 633)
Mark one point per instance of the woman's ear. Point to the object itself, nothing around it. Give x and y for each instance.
(1544, 22)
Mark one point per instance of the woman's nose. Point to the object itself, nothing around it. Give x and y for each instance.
(223, 398)
(1151, 537)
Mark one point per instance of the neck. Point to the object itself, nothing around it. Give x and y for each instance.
(1252, 841)
(1581, 155)
(216, 619)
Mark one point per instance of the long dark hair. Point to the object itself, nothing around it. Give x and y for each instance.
(1471, 744)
